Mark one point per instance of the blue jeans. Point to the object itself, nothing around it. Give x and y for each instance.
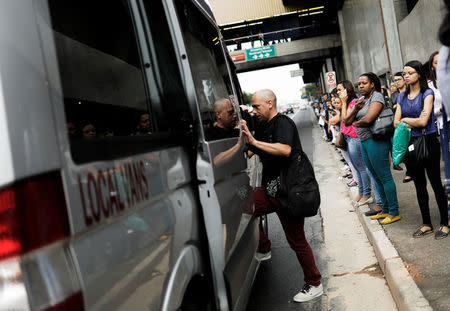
(374, 187)
(376, 157)
(354, 152)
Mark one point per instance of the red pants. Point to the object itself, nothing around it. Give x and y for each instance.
(295, 235)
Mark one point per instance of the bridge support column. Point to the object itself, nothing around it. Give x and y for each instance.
(321, 83)
(392, 38)
(329, 64)
(345, 50)
(324, 78)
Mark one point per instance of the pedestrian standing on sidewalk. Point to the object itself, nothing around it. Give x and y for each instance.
(274, 142)
(348, 99)
(337, 122)
(375, 153)
(401, 87)
(326, 107)
(432, 84)
(416, 110)
(335, 118)
(394, 94)
(443, 82)
(393, 100)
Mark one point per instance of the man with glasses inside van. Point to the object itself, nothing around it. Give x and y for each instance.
(273, 142)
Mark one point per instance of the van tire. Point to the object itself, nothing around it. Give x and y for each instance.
(199, 296)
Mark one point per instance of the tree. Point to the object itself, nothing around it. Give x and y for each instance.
(247, 98)
(311, 89)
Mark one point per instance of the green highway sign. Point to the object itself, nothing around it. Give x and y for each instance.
(260, 52)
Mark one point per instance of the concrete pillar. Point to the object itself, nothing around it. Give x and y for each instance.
(392, 36)
(324, 78)
(321, 82)
(340, 71)
(345, 51)
(329, 65)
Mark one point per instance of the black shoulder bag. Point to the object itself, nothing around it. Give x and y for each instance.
(383, 126)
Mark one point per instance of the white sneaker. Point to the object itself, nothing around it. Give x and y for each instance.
(263, 256)
(308, 293)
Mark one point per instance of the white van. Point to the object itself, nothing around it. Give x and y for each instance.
(109, 195)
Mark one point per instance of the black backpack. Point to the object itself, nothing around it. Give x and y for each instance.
(299, 195)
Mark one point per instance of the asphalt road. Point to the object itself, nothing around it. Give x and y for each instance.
(280, 278)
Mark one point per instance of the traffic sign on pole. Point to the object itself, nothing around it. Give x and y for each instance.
(260, 52)
(331, 80)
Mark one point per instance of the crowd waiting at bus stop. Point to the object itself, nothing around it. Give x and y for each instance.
(416, 102)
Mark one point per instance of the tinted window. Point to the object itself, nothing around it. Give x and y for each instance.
(176, 112)
(105, 93)
(210, 74)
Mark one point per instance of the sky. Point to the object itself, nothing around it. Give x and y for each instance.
(278, 79)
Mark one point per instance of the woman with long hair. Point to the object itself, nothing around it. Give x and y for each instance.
(415, 109)
(337, 122)
(375, 152)
(432, 84)
(348, 98)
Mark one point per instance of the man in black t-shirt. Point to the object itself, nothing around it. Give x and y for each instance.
(274, 142)
(225, 124)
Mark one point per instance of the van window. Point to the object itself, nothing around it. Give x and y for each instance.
(208, 66)
(167, 72)
(106, 100)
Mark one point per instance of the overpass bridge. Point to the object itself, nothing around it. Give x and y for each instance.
(289, 31)
(316, 56)
(329, 35)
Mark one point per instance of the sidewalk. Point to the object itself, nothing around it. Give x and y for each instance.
(417, 270)
(353, 279)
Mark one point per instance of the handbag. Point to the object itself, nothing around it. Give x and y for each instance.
(340, 142)
(418, 150)
(383, 126)
(299, 193)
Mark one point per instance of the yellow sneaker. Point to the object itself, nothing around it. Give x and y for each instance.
(379, 216)
(388, 220)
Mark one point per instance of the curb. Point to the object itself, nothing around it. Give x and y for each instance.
(404, 290)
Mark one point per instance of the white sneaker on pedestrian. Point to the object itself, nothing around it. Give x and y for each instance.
(263, 256)
(308, 293)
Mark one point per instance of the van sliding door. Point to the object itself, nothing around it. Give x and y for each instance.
(226, 194)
